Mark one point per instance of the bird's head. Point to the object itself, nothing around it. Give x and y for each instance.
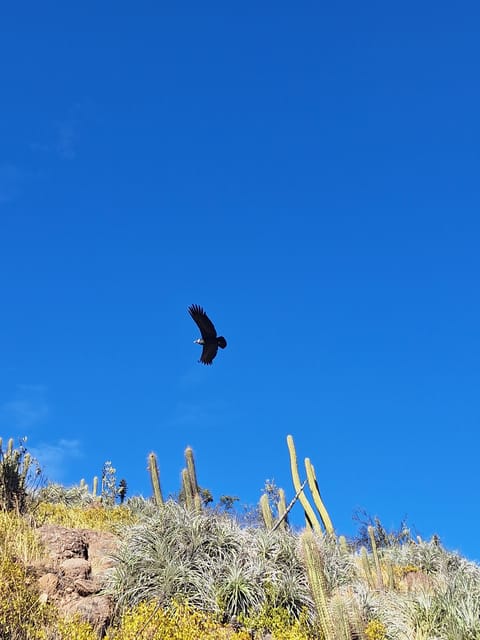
(198, 341)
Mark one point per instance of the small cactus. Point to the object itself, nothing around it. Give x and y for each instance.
(95, 486)
(266, 511)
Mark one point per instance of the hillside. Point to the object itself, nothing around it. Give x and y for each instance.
(79, 566)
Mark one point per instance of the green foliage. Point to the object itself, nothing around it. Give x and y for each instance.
(205, 496)
(375, 630)
(178, 621)
(207, 558)
(22, 616)
(279, 623)
(187, 573)
(96, 516)
(70, 629)
(18, 538)
(382, 538)
(226, 503)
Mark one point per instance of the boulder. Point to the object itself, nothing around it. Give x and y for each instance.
(74, 568)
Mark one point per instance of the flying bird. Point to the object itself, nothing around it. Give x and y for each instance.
(209, 339)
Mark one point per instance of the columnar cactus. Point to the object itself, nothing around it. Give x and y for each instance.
(317, 498)
(191, 480)
(316, 579)
(155, 479)
(282, 508)
(95, 486)
(310, 516)
(376, 559)
(266, 511)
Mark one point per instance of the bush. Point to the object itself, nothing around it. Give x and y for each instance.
(22, 616)
(179, 621)
(94, 516)
(17, 538)
(279, 623)
(211, 561)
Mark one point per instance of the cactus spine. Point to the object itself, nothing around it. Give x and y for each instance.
(155, 479)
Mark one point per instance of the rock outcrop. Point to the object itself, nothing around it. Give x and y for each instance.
(72, 574)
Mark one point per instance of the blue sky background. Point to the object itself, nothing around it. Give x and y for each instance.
(310, 175)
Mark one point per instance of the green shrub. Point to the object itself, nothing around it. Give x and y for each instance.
(95, 516)
(280, 624)
(178, 621)
(211, 561)
(22, 616)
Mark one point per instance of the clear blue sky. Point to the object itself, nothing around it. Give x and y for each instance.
(310, 175)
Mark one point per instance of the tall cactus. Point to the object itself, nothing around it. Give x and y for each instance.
(316, 579)
(155, 478)
(367, 569)
(376, 558)
(187, 491)
(317, 498)
(189, 481)
(309, 513)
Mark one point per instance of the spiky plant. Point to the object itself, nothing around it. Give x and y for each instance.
(207, 558)
(75, 496)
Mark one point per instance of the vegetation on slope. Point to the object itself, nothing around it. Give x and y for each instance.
(184, 571)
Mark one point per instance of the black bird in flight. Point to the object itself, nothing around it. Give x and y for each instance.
(209, 338)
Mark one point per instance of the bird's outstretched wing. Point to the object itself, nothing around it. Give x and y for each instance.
(209, 352)
(204, 323)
